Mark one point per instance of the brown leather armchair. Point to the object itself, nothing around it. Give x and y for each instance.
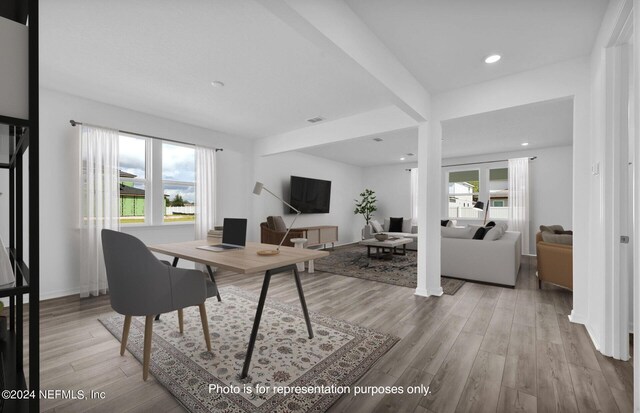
(555, 263)
(270, 236)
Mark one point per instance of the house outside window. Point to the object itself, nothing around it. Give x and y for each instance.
(485, 182)
(464, 189)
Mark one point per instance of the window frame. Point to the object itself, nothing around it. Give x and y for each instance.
(449, 195)
(484, 193)
(147, 181)
(164, 182)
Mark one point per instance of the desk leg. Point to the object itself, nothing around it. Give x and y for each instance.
(256, 324)
(214, 282)
(303, 302)
(173, 264)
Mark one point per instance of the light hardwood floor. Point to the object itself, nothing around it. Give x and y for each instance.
(484, 349)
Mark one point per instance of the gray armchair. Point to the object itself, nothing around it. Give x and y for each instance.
(141, 285)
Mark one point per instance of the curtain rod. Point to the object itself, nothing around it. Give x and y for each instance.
(74, 123)
(532, 158)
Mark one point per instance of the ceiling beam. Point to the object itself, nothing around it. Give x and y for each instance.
(363, 124)
(335, 28)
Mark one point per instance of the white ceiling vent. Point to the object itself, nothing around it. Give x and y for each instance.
(315, 120)
(378, 139)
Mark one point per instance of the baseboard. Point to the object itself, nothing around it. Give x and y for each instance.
(577, 318)
(423, 292)
(591, 336)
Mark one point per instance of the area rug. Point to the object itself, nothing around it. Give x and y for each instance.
(284, 356)
(402, 270)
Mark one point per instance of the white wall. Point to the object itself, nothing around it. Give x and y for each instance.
(392, 184)
(14, 72)
(551, 186)
(274, 171)
(59, 235)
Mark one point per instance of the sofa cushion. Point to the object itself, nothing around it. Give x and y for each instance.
(395, 224)
(480, 233)
(557, 238)
(496, 232)
(276, 223)
(376, 225)
(551, 228)
(450, 232)
(406, 225)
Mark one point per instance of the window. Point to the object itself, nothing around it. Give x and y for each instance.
(178, 182)
(499, 193)
(132, 160)
(157, 181)
(464, 189)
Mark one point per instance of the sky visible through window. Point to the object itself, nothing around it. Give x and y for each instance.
(179, 164)
(132, 156)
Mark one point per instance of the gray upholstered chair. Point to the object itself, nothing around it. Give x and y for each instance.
(141, 285)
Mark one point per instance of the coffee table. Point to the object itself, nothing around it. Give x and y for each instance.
(391, 244)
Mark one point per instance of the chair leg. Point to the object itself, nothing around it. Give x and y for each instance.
(181, 320)
(125, 334)
(205, 325)
(148, 333)
(539, 284)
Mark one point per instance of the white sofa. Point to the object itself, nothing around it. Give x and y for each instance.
(495, 262)
(408, 231)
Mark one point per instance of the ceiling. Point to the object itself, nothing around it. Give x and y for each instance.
(444, 42)
(160, 57)
(365, 152)
(542, 125)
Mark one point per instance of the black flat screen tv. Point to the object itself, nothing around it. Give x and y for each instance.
(310, 196)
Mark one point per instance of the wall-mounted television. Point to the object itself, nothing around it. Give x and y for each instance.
(310, 196)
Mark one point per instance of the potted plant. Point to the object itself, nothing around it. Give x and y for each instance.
(366, 206)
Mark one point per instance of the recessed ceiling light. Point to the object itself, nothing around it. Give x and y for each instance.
(217, 83)
(316, 119)
(492, 58)
(402, 159)
(525, 144)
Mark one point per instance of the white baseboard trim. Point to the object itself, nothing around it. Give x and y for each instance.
(577, 318)
(591, 336)
(423, 292)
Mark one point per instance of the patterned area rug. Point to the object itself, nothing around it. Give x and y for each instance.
(284, 357)
(401, 270)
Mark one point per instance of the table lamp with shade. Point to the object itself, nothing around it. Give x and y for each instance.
(480, 207)
(257, 190)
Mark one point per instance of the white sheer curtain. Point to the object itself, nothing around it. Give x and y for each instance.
(205, 190)
(519, 199)
(414, 195)
(99, 202)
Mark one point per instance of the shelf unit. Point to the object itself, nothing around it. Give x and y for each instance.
(24, 254)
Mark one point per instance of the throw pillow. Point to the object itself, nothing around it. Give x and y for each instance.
(278, 223)
(376, 225)
(406, 226)
(551, 228)
(550, 237)
(444, 222)
(490, 224)
(494, 233)
(395, 224)
(270, 223)
(480, 233)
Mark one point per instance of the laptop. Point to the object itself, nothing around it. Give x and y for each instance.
(234, 235)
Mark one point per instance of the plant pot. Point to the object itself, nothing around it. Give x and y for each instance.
(367, 232)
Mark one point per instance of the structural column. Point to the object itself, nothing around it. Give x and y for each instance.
(429, 208)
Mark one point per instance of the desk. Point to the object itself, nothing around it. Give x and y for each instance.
(247, 261)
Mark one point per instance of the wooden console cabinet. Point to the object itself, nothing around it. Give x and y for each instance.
(320, 235)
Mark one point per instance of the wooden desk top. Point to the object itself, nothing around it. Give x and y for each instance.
(243, 261)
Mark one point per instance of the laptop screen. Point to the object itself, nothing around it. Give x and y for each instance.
(234, 231)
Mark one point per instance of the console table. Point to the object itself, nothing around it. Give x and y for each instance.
(320, 235)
